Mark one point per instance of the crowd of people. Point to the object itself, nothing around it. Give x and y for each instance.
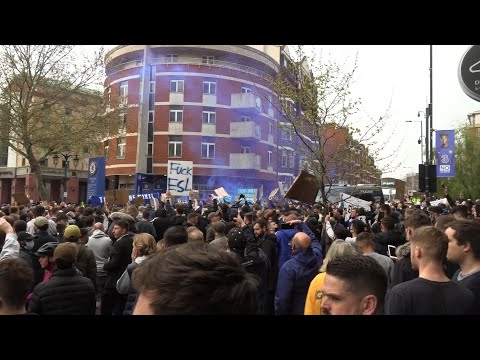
(275, 257)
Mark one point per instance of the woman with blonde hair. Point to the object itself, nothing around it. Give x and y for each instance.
(144, 245)
(339, 248)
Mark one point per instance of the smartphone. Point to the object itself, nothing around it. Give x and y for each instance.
(286, 226)
(234, 211)
(391, 251)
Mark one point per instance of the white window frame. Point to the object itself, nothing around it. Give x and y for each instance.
(210, 147)
(176, 145)
(209, 117)
(245, 118)
(284, 160)
(121, 147)
(124, 92)
(270, 129)
(246, 90)
(245, 149)
(122, 123)
(207, 59)
(212, 88)
(176, 112)
(171, 58)
(291, 161)
(270, 153)
(179, 86)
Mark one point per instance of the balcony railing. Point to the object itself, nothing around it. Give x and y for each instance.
(245, 130)
(245, 161)
(185, 60)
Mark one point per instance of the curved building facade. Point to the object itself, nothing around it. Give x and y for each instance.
(208, 104)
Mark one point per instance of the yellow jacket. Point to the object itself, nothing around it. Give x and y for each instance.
(314, 296)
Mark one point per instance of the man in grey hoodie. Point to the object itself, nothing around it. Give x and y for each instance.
(101, 245)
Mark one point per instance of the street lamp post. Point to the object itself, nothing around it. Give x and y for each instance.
(421, 136)
(66, 156)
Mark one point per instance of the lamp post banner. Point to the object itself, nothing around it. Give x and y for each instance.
(96, 177)
(445, 149)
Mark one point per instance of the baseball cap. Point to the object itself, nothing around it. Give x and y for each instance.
(72, 232)
(237, 240)
(65, 251)
(40, 221)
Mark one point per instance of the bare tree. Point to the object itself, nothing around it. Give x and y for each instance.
(47, 104)
(329, 129)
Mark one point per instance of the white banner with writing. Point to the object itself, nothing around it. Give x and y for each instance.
(179, 177)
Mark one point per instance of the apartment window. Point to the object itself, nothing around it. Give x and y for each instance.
(292, 161)
(171, 58)
(123, 92)
(3, 153)
(270, 129)
(246, 90)
(176, 86)
(209, 87)
(207, 59)
(106, 147)
(109, 94)
(151, 101)
(150, 132)
(24, 161)
(150, 116)
(175, 146)
(284, 160)
(44, 162)
(208, 148)
(286, 135)
(269, 157)
(121, 144)
(176, 114)
(122, 123)
(152, 87)
(150, 149)
(64, 164)
(149, 165)
(208, 117)
(245, 149)
(245, 118)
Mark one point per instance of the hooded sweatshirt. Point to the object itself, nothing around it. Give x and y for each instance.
(101, 245)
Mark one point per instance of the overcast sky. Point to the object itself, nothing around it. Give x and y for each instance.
(400, 74)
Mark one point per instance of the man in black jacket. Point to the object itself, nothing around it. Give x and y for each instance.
(112, 301)
(66, 292)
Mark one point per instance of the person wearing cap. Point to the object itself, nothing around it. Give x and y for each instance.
(41, 235)
(39, 211)
(45, 259)
(67, 292)
(85, 257)
(26, 244)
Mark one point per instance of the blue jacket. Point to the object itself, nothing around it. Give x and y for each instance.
(284, 247)
(295, 277)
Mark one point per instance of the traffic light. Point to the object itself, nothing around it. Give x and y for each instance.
(432, 178)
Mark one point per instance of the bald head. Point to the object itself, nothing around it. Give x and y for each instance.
(301, 241)
(98, 226)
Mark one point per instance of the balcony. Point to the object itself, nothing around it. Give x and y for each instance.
(245, 161)
(246, 102)
(245, 130)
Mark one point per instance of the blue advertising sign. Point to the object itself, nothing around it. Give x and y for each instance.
(96, 177)
(96, 200)
(139, 185)
(445, 149)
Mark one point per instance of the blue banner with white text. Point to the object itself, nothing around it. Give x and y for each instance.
(445, 151)
(96, 177)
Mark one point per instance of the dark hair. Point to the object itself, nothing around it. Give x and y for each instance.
(122, 223)
(196, 279)
(19, 225)
(39, 211)
(16, 281)
(416, 219)
(388, 222)
(362, 275)
(365, 237)
(62, 216)
(443, 221)
(175, 235)
(358, 226)
(262, 223)
(462, 210)
(88, 211)
(467, 231)
(83, 231)
(192, 216)
(88, 220)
